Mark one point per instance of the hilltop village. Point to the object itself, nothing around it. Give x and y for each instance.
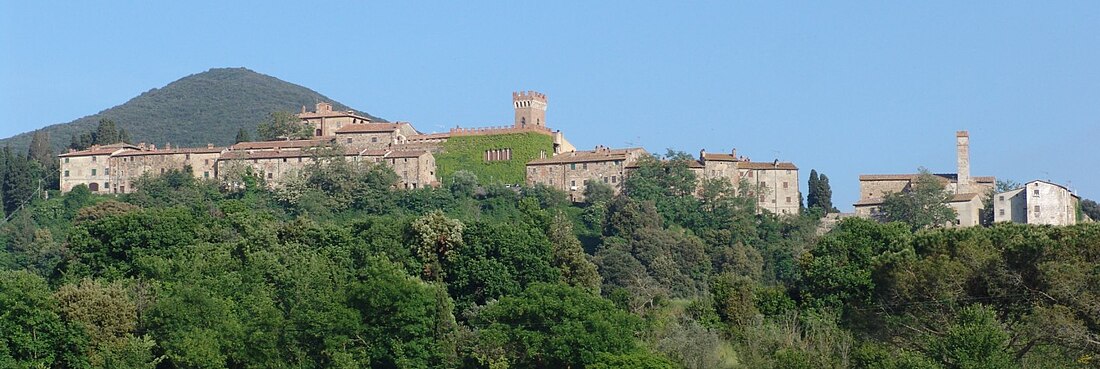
(546, 158)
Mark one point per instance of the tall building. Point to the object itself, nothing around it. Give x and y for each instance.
(966, 191)
(1037, 202)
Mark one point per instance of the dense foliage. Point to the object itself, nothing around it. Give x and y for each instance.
(468, 153)
(337, 269)
(207, 107)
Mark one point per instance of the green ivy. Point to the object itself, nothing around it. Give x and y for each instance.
(468, 153)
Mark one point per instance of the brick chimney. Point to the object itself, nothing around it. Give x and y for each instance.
(962, 150)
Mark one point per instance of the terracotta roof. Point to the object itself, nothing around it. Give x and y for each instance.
(369, 128)
(587, 156)
(719, 157)
(944, 177)
(406, 154)
(695, 164)
(329, 114)
(185, 150)
(869, 201)
(765, 165)
(962, 197)
(281, 144)
(100, 150)
(236, 155)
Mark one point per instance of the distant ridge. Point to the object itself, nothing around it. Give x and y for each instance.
(207, 107)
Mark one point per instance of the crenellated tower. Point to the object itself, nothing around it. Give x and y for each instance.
(530, 109)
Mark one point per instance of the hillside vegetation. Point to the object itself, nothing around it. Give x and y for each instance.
(207, 107)
(337, 269)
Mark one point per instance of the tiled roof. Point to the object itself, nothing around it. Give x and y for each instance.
(719, 157)
(948, 177)
(869, 201)
(281, 144)
(184, 150)
(330, 114)
(369, 128)
(586, 156)
(99, 150)
(765, 165)
(962, 197)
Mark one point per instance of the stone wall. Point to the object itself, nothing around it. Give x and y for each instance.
(90, 170)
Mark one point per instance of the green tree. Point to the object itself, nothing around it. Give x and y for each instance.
(464, 184)
(41, 153)
(106, 133)
(821, 194)
(436, 237)
(923, 206)
(1091, 209)
(242, 136)
(569, 257)
(283, 125)
(554, 326)
(976, 340)
(32, 333)
(597, 192)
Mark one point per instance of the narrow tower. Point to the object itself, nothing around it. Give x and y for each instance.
(530, 109)
(962, 145)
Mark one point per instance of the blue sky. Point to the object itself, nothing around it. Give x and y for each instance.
(842, 87)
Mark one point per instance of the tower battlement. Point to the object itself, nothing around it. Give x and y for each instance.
(528, 96)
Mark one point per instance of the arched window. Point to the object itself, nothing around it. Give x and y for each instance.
(93, 186)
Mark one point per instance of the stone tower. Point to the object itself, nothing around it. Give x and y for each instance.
(962, 146)
(530, 109)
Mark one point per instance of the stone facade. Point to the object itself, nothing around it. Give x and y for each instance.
(375, 135)
(89, 167)
(325, 121)
(129, 165)
(1038, 202)
(964, 188)
(570, 171)
(774, 185)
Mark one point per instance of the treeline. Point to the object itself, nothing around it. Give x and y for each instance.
(338, 269)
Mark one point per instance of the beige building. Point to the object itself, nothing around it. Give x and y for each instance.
(774, 185)
(966, 190)
(325, 121)
(91, 167)
(375, 135)
(414, 168)
(1037, 202)
(570, 171)
(129, 165)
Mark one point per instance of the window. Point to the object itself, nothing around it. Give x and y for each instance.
(93, 159)
(788, 199)
(269, 175)
(187, 157)
(584, 166)
(1036, 192)
(1002, 211)
(750, 174)
(349, 139)
(206, 174)
(66, 160)
(785, 186)
(1036, 208)
(573, 166)
(206, 162)
(93, 171)
(605, 180)
(284, 160)
(66, 173)
(372, 139)
(106, 171)
(1001, 198)
(106, 184)
(614, 179)
(573, 183)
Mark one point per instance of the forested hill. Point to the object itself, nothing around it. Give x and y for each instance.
(207, 107)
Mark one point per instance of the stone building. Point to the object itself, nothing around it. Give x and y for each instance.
(89, 167)
(774, 185)
(375, 135)
(570, 171)
(1037, 202)
(129, 165)
(966, 190)
(414, 168)
(325, 121)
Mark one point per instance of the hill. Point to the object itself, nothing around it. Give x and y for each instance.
(207, 107)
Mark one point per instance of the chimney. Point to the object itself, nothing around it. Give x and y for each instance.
(209, 145)
(702, 152)
(962, 146)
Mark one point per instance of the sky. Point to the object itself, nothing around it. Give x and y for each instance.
(845, 88)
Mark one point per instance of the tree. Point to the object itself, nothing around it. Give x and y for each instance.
(976, 340)
(569, 257)
(436, 238)
(986, 215)
(1091, 209)
(124, 136)
(32, 333)
(597, 192)
(106, 133)
(554, 326)
(464, 184)
(923, 206)
(41, 153)
(283, 125)
(242, 136)
(821, 194)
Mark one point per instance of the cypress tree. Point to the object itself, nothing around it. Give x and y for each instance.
(814, 186)
(242, 136)
(123, 136)
(106, 133)
(825, 195)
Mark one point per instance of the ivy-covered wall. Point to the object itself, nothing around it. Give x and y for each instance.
(468, 152)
